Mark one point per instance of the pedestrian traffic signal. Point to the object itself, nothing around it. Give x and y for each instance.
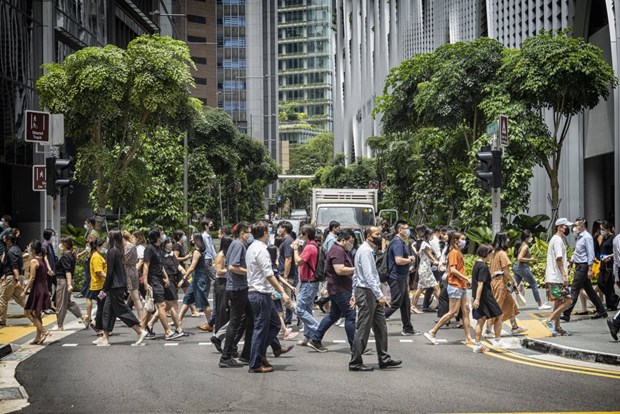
(489, 169)
(58, 175)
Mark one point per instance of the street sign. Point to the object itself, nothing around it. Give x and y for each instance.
(503, 130)
(39, 178)
(37, 127)
(492, 128)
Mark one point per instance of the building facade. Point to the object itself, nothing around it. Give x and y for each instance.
(32, 33)
(374, 36)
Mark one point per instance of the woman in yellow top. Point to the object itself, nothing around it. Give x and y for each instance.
(457, 290)
(98, 269)
(500, 276)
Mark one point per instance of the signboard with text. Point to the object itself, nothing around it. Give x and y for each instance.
(503, 130)
(39, 178)
(37, 127)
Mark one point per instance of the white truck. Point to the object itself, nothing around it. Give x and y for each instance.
(353, 208)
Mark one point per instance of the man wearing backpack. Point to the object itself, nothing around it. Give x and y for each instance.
(306, 261)
(399, 260)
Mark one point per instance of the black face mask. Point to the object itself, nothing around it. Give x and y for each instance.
(191, 242)
(566, 231)
(377, 241)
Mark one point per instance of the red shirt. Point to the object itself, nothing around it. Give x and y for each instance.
(310, 255)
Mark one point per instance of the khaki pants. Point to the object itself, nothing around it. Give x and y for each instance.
(9, 290)
(64, 302)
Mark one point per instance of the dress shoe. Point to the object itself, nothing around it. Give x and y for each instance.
(362, 367)
(565, 318)
(206, 327)
(261, 370)
(599, 315)
(283, 350)
(217, 343)
(613, 329)
(391, 363)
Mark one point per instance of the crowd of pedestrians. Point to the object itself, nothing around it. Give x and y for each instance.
(259, 283)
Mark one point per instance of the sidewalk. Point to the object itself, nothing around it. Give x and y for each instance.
(590, 339)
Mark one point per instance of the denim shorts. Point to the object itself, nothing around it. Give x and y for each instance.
(456, 293)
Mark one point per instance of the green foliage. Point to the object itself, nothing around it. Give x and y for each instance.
(531, 223)
(113, 101)
(315, 153)
(76, 234)
(480, 235)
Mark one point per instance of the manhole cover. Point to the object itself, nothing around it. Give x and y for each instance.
(11, 393)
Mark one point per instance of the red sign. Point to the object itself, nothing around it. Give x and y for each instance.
(37, 127)
(39, 178)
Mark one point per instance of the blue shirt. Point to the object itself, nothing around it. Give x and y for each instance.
(236, 257)
(584, 249)
(398, 248)
(329, 242)
(209, 249)
(366, 274)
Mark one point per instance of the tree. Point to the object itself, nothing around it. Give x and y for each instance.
(561, 74)
(113, 101)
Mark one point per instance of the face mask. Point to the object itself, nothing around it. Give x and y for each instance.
(462, 244)
(604, 233)
(54, 241)
(377, 241)
(408, 232)
(184, 239)
(250, 239)
(576, 230)
(192, 243)
(164, 238)
(566, 231)
(530, 240)
(85, 227)
(104, 250)
(348, 246)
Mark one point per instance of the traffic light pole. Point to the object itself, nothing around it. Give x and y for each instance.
(496, 202)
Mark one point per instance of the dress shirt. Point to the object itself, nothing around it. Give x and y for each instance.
(584, 249)
(366, 274)
(258, 262)
(209, 249)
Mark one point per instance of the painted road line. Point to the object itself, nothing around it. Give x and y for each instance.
(69, 345)
(339, 341)
(11, 334)
(551, 363)
(204, 343)
(171, 344)
(405, 340)
(372, 341)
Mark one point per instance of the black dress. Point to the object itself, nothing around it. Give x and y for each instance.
(39, 298)
(488, 307)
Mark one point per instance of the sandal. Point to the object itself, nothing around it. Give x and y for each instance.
(44, 337)
(35, 341)
(416, 310)
(458, 326)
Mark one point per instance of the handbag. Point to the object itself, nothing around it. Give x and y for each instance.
(149, 303)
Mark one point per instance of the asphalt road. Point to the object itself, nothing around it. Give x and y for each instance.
(165, 378)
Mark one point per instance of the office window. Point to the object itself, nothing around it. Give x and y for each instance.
(200, 81)
(196, 19)
(196, 39)
(199, 60)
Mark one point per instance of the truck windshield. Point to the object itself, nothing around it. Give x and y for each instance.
(361, 216)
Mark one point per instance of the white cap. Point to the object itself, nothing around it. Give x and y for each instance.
(563, 222)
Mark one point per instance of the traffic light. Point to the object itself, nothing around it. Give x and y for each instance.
(58, 175)
(489, 170)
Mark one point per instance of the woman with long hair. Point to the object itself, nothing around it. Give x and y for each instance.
(500, 276)
(426, 279)
(522, 269)
(39, 298)
(65, 272)
(114, 289)
(197, 293)
(130, 263)
(456, 289)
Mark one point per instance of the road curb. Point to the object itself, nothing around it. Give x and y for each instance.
(568, 352)
(5, 349)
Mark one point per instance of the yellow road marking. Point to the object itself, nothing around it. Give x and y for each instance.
(535, 328)
(11, 334)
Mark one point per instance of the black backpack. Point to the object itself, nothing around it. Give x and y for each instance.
(319, 273)
(381, 260)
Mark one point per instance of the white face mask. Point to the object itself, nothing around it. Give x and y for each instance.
(184, 239)
(86, 227)
(604, 233)
(530, 240)
(462, 244)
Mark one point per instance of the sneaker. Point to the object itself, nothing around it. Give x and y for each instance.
(173, 336)
(340, 322)
(406, 333)
(182, 333)
(141, 338)
(85, 321)
(98, 340)
(229, 363)
(544, 306)
(488, 334)
(479, 348)
(150, 335)
(317, 346)
(103, 342)
(496, 342)
(430, 338)
(551, 326)
(518, 330)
